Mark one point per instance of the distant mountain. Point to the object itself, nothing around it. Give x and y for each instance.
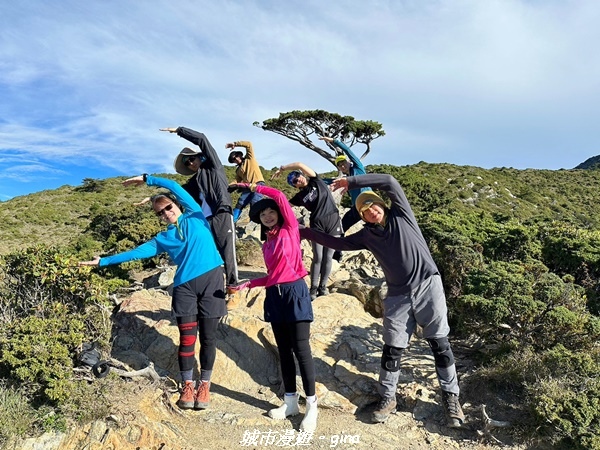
(590, 163)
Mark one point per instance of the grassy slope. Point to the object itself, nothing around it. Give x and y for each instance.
(57, 216)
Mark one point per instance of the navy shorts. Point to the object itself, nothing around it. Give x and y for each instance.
(288, 303)
(203, 296)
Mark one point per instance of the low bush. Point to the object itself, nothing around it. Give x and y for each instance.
(48, 308)
(17, 416)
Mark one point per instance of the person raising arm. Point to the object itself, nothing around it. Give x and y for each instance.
(415, 291)
(198, 300)
(287, 302)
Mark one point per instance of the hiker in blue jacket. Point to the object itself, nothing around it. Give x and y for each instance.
(198, 287)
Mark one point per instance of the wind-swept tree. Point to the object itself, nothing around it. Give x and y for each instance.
(300, 126)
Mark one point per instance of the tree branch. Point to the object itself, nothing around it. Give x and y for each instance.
(147, 372)
(490, 423)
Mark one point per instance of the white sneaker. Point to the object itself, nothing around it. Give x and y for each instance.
(309, 423)
(289, 408)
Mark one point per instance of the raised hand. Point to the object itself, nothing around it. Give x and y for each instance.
(326, 139)
(135, 181)
(93, 262)
(340, 183)
(232, 289)
(277, 173)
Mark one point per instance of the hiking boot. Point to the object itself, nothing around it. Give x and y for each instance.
(309, 423)
(289, 408)
(313, 294)
(322, 291)
(202, 399)
(454, 413)
(186, 399)
(384, 408)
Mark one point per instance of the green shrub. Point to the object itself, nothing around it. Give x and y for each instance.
(571, 250)
(38, 277)
(17, 416)
(79, 408)
(566, 401)
(49, 308)
(91, 185)
(558, 393)
(38, 352)
(111, 225)
(520, 304)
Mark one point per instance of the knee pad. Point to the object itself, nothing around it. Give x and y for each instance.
(187, 340)
(390, 358)
(442, 353)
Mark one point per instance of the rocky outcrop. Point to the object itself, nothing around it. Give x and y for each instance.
(345, 343)
(345, 339)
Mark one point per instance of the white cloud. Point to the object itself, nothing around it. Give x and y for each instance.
(494, 83)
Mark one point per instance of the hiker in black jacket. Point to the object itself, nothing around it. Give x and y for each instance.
(208, 186)
(415, 291)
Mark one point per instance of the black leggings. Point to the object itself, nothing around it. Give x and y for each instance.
(320, 268)
(189, 326)
(293, 339)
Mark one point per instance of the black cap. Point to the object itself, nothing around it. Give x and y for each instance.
(259, 206)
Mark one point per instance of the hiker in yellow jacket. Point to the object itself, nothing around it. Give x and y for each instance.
(247, 171)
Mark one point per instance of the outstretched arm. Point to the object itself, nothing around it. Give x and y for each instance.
(94, 262)
(143, 201)
(180, 193)
(336, 243)
(382, 182)
(256, 282)
(147, 250)
(200, 140)
(295, 166)
(246, 144)
(358, 165)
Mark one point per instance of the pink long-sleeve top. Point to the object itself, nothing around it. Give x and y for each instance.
(281, 250)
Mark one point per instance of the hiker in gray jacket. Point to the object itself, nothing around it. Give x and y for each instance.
(415, 291)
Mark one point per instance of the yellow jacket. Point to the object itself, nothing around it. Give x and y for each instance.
(248, 171)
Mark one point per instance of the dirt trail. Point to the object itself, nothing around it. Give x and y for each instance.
(238, 420)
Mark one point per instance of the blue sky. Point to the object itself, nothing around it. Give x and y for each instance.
(85, 86)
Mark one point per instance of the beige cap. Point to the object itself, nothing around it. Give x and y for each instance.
(178, 164)
(365, 200)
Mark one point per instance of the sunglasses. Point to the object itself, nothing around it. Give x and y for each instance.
(295, 180)
(169, 207)
(187, 160)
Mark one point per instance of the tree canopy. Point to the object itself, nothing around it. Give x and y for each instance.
(301, 126)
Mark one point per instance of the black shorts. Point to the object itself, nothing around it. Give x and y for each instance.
(203, 296)
(288, 303)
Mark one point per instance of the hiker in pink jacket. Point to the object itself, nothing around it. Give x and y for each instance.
(287, 303)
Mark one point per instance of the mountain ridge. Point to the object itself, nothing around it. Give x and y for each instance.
(57, 216)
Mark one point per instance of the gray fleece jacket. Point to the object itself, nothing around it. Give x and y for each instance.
(399, 246)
